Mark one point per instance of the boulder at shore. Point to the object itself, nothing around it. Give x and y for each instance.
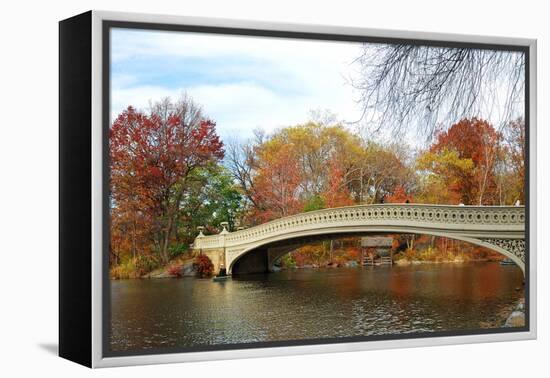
(188, 269)
(516, 319)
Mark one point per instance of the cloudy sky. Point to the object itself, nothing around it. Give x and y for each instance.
(241, 82)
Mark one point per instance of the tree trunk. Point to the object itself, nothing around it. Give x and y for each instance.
(165, 241)
(134, 243)
(171, 214)
(483, 184)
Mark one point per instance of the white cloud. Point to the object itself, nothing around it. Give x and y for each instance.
(314, 72)
(128, 44)
(248, 82)
(240, 107)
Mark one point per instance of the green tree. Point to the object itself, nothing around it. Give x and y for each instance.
(213, 198)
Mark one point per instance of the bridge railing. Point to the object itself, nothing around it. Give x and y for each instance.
(511, 218)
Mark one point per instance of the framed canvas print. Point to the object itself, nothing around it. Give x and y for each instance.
(233, 189)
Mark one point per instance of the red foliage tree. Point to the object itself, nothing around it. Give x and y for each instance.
(399, 195)
(477, 140)
(151, 156)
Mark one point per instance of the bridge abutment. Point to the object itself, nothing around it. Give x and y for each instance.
(217, 256)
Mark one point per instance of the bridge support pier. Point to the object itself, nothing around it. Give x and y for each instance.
(217, 256)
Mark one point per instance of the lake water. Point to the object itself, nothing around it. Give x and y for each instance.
(309, 304)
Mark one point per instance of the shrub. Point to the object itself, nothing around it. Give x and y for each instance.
(352, 253)
(119, 273)
(145, 263)
(134, 267)
(429, 254)
(174, 270)
(124, 271)
(399, 256)
(204, 265)
(288, 261)
(339, 260)
(309, 255)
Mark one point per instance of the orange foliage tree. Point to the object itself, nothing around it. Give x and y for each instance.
(336, 193)
(314, 166)
(399, 195)
(277, 183)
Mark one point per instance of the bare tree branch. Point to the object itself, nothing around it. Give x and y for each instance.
(425, 86)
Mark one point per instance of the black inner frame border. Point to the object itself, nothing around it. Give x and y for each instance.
(107, 25)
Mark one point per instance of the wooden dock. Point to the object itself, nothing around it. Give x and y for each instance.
(371, 261)
(386, 260)
(368, 261)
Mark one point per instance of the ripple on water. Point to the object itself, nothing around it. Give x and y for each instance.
(308, 304)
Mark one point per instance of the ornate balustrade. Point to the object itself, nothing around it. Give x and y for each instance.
(446, 218)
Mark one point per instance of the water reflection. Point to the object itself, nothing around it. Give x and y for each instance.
(308, 304)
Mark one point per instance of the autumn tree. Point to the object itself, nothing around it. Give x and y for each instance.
(442, 177)
(336, 193)
(315, 145)
(469, 139)
(511, 175)
(330, 166)
(277, 182)
(399, 195)
(310, 146)
(153, 157)
(382, 170)
(132, 205)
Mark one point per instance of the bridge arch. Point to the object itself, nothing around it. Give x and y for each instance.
(500, 228)
(286, 244)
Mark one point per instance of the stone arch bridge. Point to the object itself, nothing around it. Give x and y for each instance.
(252, 250)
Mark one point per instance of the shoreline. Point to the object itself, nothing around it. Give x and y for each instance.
(396, 262)
(187, 270)
(516, 318)
(418, 262)
(511, 316)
